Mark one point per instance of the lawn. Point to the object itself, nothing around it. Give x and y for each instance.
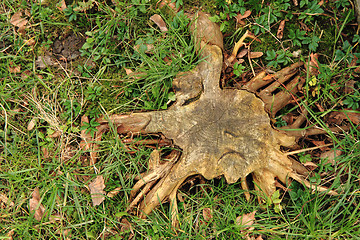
(68, 67)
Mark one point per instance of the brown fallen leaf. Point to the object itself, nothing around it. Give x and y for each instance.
(339, 117)
(310, 165)
(256, 54)
(313, 65)
(239, 17)
(242, 53)
(18, 21)
(45, 152)
(85, 143)
(14, 69)
(280, 32)
(269, 77)
(114, 192)
(35, 205)
(25, 74)
(207, 214)
(157, 19)
(349, 87)
(131, 73)
(246, 220)
(44, 61)
(97, 190)
(56, 134)
(149, 48)
(31, 124)
(354, 117)
(296, 53)
(5, 200)
(319, 144)
(126, 226)
(168, 3)
(62, 5)
(330, 156)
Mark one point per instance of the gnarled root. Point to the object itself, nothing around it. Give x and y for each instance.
(285, 78)
(282, 167)
(158, 185)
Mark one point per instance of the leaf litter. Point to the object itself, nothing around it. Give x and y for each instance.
(97, 192)
(35, 205)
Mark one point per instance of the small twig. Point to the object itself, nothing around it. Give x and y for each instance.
(307, 149)
(249, 58)
(238, 45)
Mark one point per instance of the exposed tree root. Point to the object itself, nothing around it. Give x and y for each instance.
(223, 132)
(275, 102)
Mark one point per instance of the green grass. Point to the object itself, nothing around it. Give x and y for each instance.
(57, 96)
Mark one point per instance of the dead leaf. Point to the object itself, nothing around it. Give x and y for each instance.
(357, 70)
(242, 53)
(85, 143)
(239, 17)
(5, 200)
(295, 2)
(331, 155)
(131, 73)
(269, 77)
(56, 134)
(25, 74)
(149, 48)
(126, 226)
(338, 117)
(354, 117)
(319, 144)
(97, 190)
(312, 166)
(36, 206)
(31, 124)
(169, 3)
(240, 61)
(349, 86)
(297, 53)
(246, 14)
(62, 5)
(18, 21)
(128, 71)
(56, 217)
(246, 220)
(45, 152)
(280, 32)
(256, 54)
(44, 61)
(14, 69)
(114, 192)
(313, 65)
(207, 214)
(157, 19)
